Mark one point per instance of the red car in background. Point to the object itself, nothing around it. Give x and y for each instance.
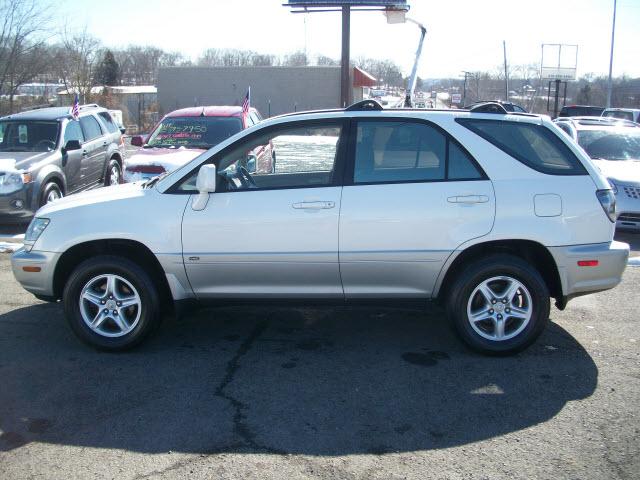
(184, 134)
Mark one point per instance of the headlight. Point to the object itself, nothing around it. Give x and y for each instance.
(10, 182)
(614, 187)
(36, 227)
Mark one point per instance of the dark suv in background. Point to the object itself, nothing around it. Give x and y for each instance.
(46, 154)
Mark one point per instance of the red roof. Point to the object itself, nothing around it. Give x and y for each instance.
(208, 111)
(362, 78)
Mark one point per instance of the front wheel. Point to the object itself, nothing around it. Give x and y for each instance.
(50, 193)
(499, 305)
(111, 303)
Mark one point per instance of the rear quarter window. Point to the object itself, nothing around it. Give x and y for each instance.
(536, 146)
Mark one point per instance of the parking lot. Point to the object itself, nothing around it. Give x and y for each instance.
(349, 392)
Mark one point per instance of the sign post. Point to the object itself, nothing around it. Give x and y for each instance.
(345, 6)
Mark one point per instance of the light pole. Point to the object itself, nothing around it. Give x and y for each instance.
(613, 35)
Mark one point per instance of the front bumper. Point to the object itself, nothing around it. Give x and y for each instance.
(628, 207)
(39, 283)
(16, 207)
(578, 280)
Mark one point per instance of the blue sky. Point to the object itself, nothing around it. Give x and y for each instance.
(462, 34)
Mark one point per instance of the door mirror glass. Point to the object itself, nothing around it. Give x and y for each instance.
(72, 145)
(206, 181)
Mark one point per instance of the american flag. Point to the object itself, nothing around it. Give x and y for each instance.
(75, 110)
(246, 103)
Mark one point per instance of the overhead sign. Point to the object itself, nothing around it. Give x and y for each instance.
(397, 4)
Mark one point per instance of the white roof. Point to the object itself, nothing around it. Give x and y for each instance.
(123, 90)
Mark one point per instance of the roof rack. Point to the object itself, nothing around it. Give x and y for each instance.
(89, 105)
(364, 106)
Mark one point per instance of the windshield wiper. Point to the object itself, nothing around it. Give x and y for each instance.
(150, 183)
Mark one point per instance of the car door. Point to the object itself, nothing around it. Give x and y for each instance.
(72, 160)
(94, 150)
(265, 235)
(412, 196)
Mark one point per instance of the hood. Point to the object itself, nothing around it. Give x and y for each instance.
(20, 160)
(93, 197)
(168, 158)
(625, 171)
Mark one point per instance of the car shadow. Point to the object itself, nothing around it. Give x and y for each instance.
(328, 381)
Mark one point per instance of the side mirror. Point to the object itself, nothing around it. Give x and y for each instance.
(123, 130)
(137, 140)
(206, 184)
(72, 145)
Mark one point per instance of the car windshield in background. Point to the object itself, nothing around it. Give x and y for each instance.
(619, 114)
(610, 144)
(28, 136)
(194, 132)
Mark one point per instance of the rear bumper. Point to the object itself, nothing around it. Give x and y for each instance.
(577, 280)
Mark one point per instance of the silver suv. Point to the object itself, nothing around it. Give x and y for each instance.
(491, 214)
(45, 154)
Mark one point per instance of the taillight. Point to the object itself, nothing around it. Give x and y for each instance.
(153, 169)
(608, 201)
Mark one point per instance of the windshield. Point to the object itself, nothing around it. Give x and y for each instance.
(28, 136)
(619, 114)
(611, 144)
(193, 132)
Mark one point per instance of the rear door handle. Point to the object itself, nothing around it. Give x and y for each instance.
(313, 205)
(468, 199)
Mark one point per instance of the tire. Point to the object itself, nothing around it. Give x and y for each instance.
(50, 192)
(86, 296)
(510, 324)
(114, 173)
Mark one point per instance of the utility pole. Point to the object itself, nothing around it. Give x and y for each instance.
(345, 96)
(506, 72)
(613, 35)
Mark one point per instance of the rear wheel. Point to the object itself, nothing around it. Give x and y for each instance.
(111, 303)
(114, 173)
(499, 305)
(50, 192)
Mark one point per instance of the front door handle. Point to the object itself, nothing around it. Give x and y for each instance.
(313, 205)
(84, 153)
(468, 199)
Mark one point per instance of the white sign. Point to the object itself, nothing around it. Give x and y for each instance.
(456, 98)
(559, 61)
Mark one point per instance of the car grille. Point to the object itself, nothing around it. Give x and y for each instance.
(632, 192)
(629, 217)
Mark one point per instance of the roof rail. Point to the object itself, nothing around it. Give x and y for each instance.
(364, 106)
(89, 105)
(489, 107)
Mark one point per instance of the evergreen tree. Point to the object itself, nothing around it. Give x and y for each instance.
(108, 72)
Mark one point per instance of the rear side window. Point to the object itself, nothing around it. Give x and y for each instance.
(534, 145)
(408, 152)
(108, 121)
(90, 127)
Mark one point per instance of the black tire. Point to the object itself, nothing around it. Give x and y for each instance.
(499, 265)
(149, 316)
(108, 177)
(50, 190)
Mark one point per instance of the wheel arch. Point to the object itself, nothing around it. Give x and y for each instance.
(130, 249)
(534, 253)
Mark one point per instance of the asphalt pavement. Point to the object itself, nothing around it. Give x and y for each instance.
(328, 393)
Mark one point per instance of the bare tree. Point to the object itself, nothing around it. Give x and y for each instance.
(76, 60)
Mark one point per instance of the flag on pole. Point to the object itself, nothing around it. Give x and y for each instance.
(246, 103)
(75, 110)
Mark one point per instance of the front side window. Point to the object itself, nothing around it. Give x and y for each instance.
(397, 151)
(193, 132)
(534, 145)
(28, 136)
(73, 132)
(306, 156)
(90, 127)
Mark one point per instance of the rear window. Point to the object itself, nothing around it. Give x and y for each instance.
(581, 111)
(619, 114)
(194, 132)
(533, 145)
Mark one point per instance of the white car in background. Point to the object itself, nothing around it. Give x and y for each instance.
(614, 147)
